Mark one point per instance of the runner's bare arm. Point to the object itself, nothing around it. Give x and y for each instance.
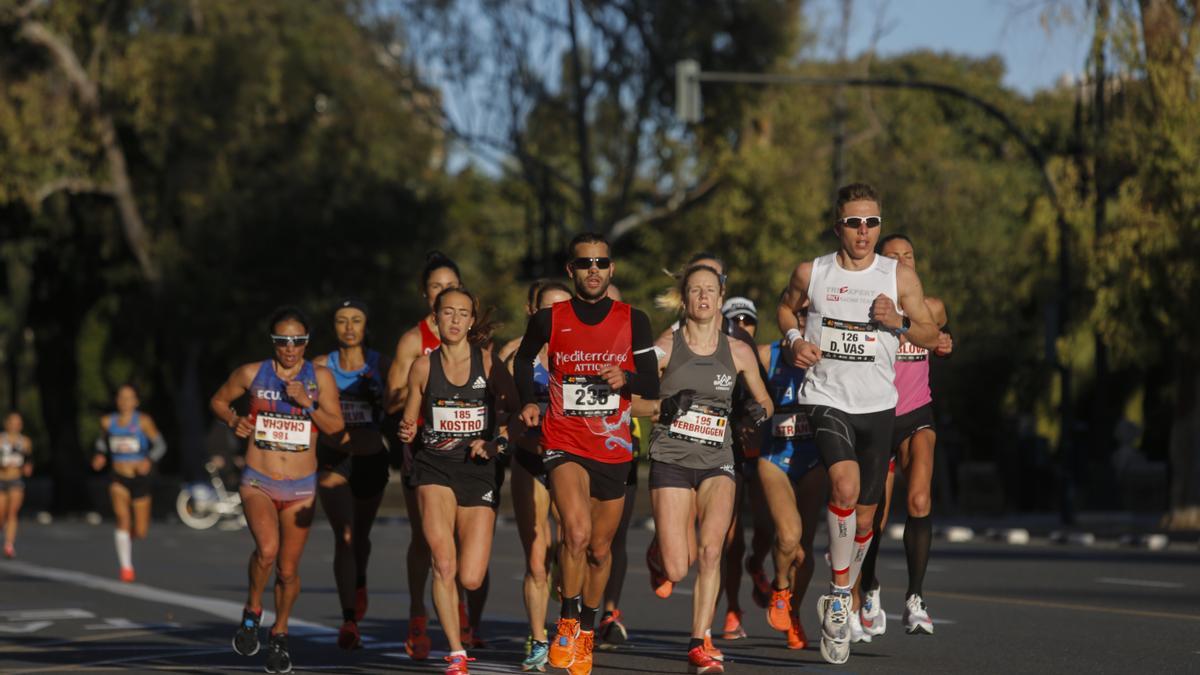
(794, 299)
(922, 330)
(221, 402)
(747, 364)
(945, 341)
(408, 350)
(418, 376)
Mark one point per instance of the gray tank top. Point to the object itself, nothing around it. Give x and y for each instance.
(701, 438)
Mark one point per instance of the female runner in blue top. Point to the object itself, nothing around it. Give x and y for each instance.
(290, 401)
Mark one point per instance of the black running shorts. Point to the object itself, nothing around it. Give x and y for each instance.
(864, 438)
(138, 485)
(473, 481)
(606, 481)
(667, 475)
(910, 423)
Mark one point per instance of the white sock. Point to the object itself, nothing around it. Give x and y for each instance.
(841, 538)
(124, 548)
(861, 544)
(461, 652)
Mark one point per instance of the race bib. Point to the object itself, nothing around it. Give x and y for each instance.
(701, 424)
(11, 457)
(284, 433)
(458, 419)
(848, 340)
(357, 413)
(791, 425)
(124, 445)
(910, 352)
(588, 396)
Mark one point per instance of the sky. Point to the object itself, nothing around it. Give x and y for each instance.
(1035, 57)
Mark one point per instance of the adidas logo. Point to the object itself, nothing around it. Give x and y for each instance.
(551, 454)
(479, 383)
(723, 382)
(488, 497)
(727, 468)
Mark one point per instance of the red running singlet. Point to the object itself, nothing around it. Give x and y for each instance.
(429, 341)
(585, 417)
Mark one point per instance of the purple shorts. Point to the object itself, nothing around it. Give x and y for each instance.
(283, 492)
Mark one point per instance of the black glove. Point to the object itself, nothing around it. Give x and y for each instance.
(754, 411)
(676, 405)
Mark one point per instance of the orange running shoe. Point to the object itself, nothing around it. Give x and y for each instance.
(458, 664)
(761, 590)
(780, 611)
(562, 647)
(795, 635)
(659, 582)
(349, 637)
(699, 661)
(417, 645)
(360, 603)
(711, 649)
(733, 626)
(127, 575)
(582, 665)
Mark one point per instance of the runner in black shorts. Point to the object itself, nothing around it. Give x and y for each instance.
(600, 355)
(353, 465)
(460, 391)
(531, 498)
(16, 464)
(692, 476)
(439, 274)
(853, 300)
(132, 444)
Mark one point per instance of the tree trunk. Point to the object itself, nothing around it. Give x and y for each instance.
(1184, 449)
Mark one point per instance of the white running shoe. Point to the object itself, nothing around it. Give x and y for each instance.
(871, 614)
(835, 627)
(857, 634)
(916, 617)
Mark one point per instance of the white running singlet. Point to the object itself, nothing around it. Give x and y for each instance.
(856, 373)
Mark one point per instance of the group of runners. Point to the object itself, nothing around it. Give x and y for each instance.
(819, 418)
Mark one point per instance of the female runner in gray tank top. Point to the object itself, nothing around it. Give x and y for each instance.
(691, 451)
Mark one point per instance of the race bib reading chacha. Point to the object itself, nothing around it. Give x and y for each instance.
(848, 340)
(701, 424)
(357, 413)
(791, 425)
(458, 419)
(588, 396)
(284, 433)
(124, 445)
(11, 459)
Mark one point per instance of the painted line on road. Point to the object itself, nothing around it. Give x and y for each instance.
(1025, 602)
(83, 667)
(1145, 583)
(223, 609)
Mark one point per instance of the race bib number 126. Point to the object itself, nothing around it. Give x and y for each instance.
(848, 340)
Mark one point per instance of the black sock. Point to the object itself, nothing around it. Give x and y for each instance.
(360, 582)
(918, 537)
(348, 614)
(695, 642)
(587, 617)
(570, 607)
(867, 575)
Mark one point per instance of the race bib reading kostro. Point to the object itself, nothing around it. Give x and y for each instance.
(458, 419)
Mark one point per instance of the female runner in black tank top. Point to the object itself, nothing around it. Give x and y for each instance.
(461, 392)
(691, 448)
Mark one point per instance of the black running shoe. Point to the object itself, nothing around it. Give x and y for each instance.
(245, 640)
(278, 659)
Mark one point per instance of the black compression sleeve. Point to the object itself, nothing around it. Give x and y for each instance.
(644, 381)
(537, 334)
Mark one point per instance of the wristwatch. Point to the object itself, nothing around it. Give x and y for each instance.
(905, 324)
(501, 443)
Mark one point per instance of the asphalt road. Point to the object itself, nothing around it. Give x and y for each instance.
(1000, 608)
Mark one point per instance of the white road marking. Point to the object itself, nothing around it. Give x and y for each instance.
(23, 628)
(118, 623)
(222, 609)
(46, 614)
(1145, 583)
(76, 667)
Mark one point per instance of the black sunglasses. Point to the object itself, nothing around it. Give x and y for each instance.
(856, 221)
(289, 340)
(586, 263)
